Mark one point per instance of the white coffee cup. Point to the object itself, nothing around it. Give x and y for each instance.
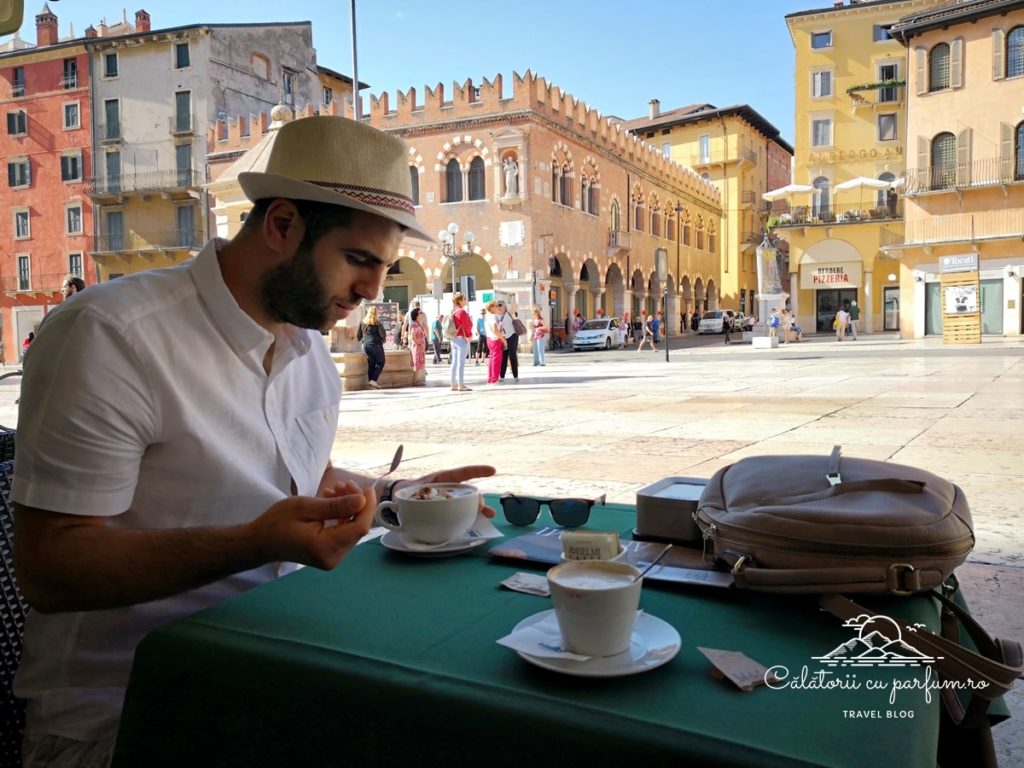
(596, 603)
(431, 513)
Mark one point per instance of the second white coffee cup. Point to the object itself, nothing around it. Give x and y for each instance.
(596, 603)
(432, 513)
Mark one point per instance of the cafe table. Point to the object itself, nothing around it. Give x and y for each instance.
(391, 660)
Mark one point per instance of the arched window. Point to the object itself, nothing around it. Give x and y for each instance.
(938, 67)
(821, 208)
(656, 222)
(554, 183)
(614, 217)
(712, 241)
(566, 186)
(687, 230)
(638, 216)
(943, 161)
(884, 193)
(594, 206)
(414, 176)
(670, 228)
(700, 234)
(477, 188)
(585, 194)
(1015, 52)
(1018, 165)
(453, 182)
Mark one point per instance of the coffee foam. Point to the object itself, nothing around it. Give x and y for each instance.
(593, 580)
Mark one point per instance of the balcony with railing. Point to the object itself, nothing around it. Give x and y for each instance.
(737, 149)
(965, 228)
(956, 177)
(831, 215)
(618, 242)
(880, 96)
(68, 80)
(147, 182)
(50, 282)
(142, 242)
(749, 197)
(109, 132)
(181, 124)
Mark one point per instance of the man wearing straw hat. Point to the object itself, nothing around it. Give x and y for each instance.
(176, 427)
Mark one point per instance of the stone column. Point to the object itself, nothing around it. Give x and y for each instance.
(794, 302)
(867, 305)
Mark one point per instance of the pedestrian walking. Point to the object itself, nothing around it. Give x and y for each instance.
(495, 341)
(854, 312)
(538, 336)
(840, 323)
(436, 337)
(726, 326)
(510, 353)
(647, 332)
(371, 334)
(418, 348)
(460, 343)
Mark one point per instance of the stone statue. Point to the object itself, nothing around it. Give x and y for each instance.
(511, 177)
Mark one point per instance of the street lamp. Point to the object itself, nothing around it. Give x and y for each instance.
(447, 238)
(679, 239)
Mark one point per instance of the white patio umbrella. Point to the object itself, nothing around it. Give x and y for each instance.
(860, 183)
(784, 192)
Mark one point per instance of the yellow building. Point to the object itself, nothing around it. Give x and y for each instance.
(743, 155)
(964, 200)
(850, 151)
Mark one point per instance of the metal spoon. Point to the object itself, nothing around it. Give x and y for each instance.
(395, 461)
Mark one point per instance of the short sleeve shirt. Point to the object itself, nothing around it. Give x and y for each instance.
(145, 401)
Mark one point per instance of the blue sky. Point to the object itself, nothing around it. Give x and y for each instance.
(615, 58)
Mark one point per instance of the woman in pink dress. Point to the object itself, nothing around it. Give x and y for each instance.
(418, 347)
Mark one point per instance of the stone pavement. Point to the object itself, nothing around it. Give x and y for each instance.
(612, 422)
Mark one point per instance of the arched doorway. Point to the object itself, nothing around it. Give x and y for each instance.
(614, 292)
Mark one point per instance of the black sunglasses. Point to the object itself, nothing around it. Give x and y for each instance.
(568, 513)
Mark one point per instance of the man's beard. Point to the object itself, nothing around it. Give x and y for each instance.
(293, 293)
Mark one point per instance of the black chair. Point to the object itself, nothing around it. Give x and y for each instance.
(13, 609)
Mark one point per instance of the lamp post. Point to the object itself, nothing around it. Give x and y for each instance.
(679, 239)
(447, 238)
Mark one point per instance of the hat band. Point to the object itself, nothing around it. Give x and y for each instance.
(379, 198)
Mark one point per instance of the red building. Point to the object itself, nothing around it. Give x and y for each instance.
(45, 146)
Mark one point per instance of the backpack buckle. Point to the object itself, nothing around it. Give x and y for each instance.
(897, 585)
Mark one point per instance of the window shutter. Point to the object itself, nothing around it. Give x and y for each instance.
(11, 124)
(924, 153)
(998, 47)
(956, 63)
(1005, 152)
(10, 174)
(963, 158)
(921, 73)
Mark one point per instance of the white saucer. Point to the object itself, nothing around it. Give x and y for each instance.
(654, 642)
(393, 541)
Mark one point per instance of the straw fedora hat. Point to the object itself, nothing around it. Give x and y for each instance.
(339, 161)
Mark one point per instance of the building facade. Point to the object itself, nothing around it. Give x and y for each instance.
(47, 150)
(964, 200)
(569, 212)
(151, 154)
(850, 141)
(743, 155)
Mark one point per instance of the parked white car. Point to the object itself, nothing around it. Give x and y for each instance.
(601, 333)
(713, 320)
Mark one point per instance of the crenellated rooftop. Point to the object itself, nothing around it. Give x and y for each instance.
(531, 93)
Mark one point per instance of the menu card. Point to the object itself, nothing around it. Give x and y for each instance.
(680, 565)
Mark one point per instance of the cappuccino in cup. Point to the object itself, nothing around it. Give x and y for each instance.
(431, 513)
(596, 603)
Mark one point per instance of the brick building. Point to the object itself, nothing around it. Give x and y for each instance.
(46, 148)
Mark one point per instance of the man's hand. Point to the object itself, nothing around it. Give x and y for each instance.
(315, 531)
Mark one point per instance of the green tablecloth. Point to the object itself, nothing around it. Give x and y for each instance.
(392, 660)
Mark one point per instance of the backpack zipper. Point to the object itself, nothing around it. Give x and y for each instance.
(744, 537)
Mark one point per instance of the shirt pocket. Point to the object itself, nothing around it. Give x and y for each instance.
(316, 430)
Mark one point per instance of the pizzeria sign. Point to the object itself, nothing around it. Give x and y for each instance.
(832, 275)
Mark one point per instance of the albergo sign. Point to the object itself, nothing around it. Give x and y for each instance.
(836, 274)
